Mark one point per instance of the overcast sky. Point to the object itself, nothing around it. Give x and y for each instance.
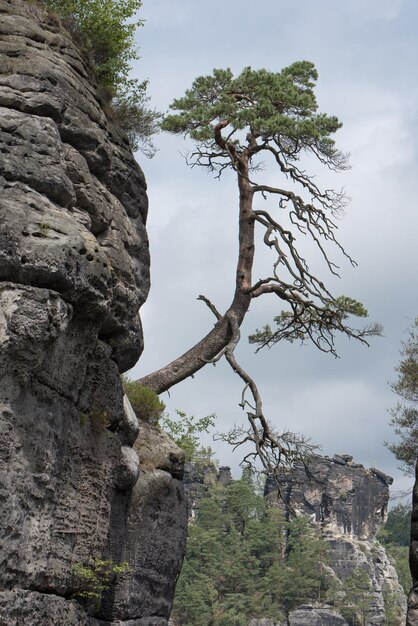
(366, 52)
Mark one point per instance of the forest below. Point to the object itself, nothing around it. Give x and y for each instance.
(246, 559)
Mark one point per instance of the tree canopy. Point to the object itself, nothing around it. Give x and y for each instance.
(276, 111)
(235, 123)
(248, 560)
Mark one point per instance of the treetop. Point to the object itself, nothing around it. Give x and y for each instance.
(278, 107)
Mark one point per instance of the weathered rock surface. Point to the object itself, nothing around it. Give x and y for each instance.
(21, 607)
(152, 537)
(306, 615)
(341, 494)
(73, 198)
(74, 270)
(157, 451)
(197, 479)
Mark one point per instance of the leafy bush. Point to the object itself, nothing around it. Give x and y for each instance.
(185, 432)
(145, 402)
(140, 123)
(105, 30)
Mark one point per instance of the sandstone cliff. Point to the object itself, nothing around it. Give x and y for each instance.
(74, 270)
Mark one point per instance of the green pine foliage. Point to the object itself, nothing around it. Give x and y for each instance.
(244, 560)
(306, 557)
(397, 529)
(340, 308)
(272, 104)
(400, 554)
(393, 612)
(249, 122)
(358, 598)
(405, 414)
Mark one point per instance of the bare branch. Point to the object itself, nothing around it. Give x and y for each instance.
(273, 450)
(211, 306)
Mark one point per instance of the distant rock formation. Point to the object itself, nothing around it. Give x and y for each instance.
(307, 616)
(197, 480)
(349, 503)
(338, 492)
(74, 270)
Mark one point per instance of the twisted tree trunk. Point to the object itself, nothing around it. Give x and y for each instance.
(218, 338)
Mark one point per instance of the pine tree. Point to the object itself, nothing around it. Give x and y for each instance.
(358, 597)
(251, 561)
(306, 555)
(405, 414)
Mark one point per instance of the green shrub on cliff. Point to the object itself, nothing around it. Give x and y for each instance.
(106, 29)
(106, 32)
(144, 401)
(93, 577)
(358, 598)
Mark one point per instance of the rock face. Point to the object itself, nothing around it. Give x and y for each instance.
(349, 503)
(152, 536)
(338, 492)
(74, 270)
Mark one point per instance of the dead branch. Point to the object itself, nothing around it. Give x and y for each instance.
(274, 451)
